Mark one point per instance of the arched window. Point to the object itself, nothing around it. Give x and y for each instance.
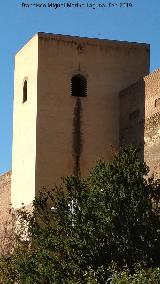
(78, 86)
(25, 91)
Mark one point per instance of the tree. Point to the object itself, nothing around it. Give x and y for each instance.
(140, 276)
(77, 230)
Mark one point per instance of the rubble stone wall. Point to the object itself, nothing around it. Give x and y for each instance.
(5, 195)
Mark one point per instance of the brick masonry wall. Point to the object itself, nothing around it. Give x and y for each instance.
(140, 119)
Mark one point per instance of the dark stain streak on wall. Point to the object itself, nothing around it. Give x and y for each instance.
(77, 139)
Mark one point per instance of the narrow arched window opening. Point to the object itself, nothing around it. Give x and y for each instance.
(25, 91)
(157, 102)
(78, 86)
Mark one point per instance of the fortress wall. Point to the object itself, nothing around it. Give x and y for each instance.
(5, 196)
(152, 121)
(140, 118)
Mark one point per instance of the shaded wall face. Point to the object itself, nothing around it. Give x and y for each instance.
(71, 129)
(132, 117)
(24, 125)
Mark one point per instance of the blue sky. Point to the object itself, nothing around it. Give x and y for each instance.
(140, 23)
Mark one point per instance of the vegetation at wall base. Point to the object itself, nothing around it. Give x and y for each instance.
(93, 230)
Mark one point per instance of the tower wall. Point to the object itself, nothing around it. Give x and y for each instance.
(132, 116)
(24, 125)
(68, 126)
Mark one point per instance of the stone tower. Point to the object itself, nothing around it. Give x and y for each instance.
(66, 107)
